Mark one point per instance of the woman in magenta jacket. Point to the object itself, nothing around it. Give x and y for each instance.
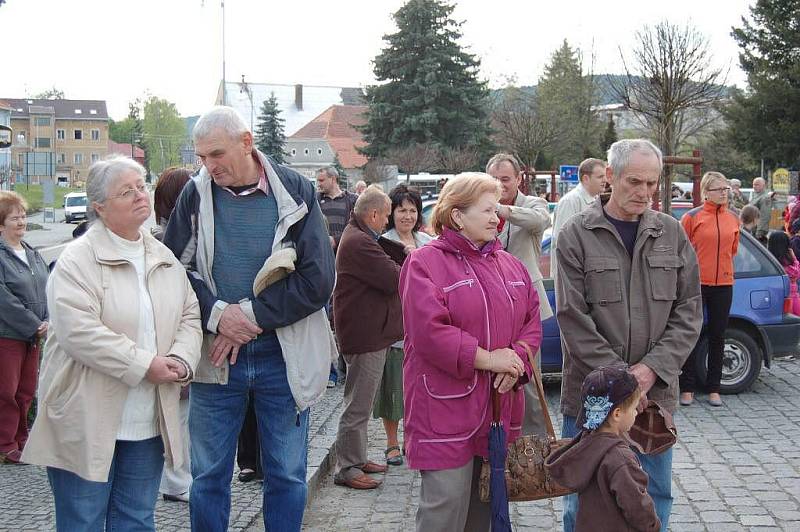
(468, 309)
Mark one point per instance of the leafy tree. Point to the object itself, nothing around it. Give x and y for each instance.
(765, 121)
(52, 93)
(164, 132)
(609, 135)
(566, 97)
(129, 130)
(431, 94)
(720, 153)
(269, 131)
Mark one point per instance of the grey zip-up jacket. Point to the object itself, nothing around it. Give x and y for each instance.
(22, 293)
(613, 308)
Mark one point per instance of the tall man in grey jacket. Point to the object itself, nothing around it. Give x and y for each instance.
(523, 220)
(628, 293)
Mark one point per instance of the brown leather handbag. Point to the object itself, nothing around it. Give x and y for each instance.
(526, 477)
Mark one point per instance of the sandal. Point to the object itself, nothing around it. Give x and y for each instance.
(394, 460)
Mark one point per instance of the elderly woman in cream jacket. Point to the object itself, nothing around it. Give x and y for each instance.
(124, 334)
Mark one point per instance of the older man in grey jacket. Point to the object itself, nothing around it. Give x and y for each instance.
(628, 293)
(523, 220)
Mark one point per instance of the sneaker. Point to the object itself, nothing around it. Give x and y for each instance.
(331, 383)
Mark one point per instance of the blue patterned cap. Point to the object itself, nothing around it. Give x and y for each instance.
(603, 390)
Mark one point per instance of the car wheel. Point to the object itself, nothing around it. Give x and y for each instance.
(67, 220)
(741, 361)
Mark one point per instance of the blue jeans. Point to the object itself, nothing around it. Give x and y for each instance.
(125, 502)
(216, 415)
(658, 468)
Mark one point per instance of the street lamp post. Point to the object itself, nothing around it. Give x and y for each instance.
(21, 142)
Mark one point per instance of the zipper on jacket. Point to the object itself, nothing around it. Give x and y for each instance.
(485, 304)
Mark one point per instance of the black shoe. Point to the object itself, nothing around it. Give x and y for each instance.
(247, 475)
(183, 497)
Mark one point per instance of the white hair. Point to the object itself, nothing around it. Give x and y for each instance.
(619, 154)
(220, 117)
(102, 174)
(735, 182)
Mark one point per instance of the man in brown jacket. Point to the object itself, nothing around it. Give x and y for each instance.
(628, 292)
(368, 320)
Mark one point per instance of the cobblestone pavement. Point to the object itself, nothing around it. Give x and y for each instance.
(735, 468)
(26, 502)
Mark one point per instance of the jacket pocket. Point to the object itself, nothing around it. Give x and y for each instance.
(602, 278)
(451, 411)
(664, 276)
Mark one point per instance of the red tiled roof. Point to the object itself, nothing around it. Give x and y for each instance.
(335, 125)
(125, 149)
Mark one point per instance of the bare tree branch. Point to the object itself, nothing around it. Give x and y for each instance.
(672, 86)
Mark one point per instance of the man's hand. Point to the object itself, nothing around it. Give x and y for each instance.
(161, 370)
(222, 347)
(42, 330)
(236, 326)
(645, 376)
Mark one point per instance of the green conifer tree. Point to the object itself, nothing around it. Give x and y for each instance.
(270, 138)
(429, 91)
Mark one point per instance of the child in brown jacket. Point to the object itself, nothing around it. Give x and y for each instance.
(599, 463)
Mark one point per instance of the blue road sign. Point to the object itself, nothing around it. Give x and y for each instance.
(568, 173)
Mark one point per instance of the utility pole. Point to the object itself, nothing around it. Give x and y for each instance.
(224, 88)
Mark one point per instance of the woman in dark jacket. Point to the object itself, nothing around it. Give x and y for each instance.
(23, 321)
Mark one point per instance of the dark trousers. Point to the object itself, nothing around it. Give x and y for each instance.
(248, 454)
(19, 366)
(717, 303)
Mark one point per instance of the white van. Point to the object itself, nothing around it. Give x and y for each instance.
(74, 206)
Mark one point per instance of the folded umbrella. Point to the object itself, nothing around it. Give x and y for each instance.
(498, 497)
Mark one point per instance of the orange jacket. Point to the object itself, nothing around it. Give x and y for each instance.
(714, 233)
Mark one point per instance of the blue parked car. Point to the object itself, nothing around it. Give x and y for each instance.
(760, 325)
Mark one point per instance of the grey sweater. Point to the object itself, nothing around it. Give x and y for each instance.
(22, 293)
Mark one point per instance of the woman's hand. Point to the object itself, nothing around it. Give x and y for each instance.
(162, 371)
(506, 360)
(504, 382)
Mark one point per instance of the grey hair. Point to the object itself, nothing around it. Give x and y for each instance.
(102, 174)
(220, 117)
(372, 198)
(501, 158)
(735, 182)
(619, 154)
(330, 171)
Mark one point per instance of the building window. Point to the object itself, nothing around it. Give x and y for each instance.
(78, 111)
(43, 121)
(42, 142)
(294, 152)
(78, 158)
(95, 158)
(95, 134)
(305, 151)
(92, 111)
(78, 134)
(62, 158)
(61, 134)
(319, 151)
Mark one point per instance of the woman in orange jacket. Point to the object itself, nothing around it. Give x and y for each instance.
(714, 233)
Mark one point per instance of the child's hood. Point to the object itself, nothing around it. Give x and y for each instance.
(574, 465)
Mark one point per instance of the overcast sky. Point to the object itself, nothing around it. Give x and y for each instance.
(116, 50)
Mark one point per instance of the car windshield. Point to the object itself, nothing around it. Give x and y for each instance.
(75, 201)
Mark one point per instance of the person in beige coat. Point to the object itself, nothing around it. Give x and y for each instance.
(523, 220)
(124, 334)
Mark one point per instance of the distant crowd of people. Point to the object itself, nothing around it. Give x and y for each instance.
(169, 353)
